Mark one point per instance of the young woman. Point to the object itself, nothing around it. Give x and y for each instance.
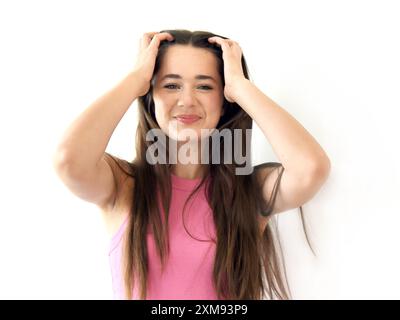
(197, 229)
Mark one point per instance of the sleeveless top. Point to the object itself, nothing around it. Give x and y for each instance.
(189, 267)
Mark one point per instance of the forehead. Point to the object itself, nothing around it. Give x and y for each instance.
(188, 62)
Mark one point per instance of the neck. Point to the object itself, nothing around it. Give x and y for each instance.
(188, 171)
(192, 168)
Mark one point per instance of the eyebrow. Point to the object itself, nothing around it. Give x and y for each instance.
(197, 77)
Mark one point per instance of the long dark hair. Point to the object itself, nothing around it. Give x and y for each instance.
(248, 263)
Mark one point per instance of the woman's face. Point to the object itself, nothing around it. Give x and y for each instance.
(185, 93)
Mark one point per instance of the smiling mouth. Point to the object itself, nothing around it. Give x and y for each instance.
(187, 119)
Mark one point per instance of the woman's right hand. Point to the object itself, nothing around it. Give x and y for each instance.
(148, 49)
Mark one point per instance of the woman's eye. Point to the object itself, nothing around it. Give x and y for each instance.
(168, 86)
(208, 88)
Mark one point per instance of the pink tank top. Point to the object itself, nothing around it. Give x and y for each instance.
(188, 271)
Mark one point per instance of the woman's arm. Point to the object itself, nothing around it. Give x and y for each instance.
(305, 164)
(299, 153)
(85, 141)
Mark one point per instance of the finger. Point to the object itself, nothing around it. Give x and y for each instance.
(146, 38)
(162, 35)
(224, 43)
(216, 38)
(157, 38)
(149, 36)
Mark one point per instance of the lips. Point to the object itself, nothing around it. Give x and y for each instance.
(187, 118)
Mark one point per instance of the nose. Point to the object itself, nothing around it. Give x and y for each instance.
(186, 97)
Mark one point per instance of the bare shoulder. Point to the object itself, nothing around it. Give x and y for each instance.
(113, 216)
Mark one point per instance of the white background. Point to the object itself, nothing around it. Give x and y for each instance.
(334, 65)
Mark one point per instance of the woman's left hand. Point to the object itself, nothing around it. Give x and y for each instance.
(233, 71)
